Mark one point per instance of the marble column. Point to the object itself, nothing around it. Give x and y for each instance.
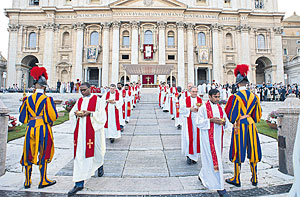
(209, 75)
(180, 54)
(48, 52)
(79, 50)
(105, 54)
(115, 52)
(196, 77)
(190, 54)
(99, 77)
(12, 54)
(85, 74)
(217, 67)
(278, 54)
(134, 47)
(245, 47)
(162, 47)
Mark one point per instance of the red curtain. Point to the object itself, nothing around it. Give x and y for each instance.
(151, 79)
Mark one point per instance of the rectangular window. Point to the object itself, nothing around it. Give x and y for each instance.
(298, 51)
(259, 4)
(285, 52)
(171, 57)
(125, 57)
(226, 3)
(298, 41)
(125, 41)
(297, 33)
(34, 2)
(171, 42)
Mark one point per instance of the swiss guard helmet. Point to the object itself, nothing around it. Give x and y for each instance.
(39, 75)
(240, 73)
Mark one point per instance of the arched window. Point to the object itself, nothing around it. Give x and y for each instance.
(94, 38)
(171, 39)
(66, 40)
(32, 40)
(201, 39)
(148, 37)
(229, 44)
(259, 4)
(125, 39)
(261, 42)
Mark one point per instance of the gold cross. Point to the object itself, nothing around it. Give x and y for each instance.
(90, 143)
(74, 143)
(148, 79)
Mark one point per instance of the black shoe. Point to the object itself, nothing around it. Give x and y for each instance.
(179, 127)
(122, 129)
(112, 140)
(43, 186)
(100, 171)
(27, 187)
(173, 118)
(233, 183)
(194, 162)
(133, 106)
(73, 191)
(254, 183)
(222, 193)
(188, 161)
(126, 121)
(165, 111)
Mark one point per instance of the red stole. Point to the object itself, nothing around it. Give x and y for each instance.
(117, 96)
(211, 134)
(188, 102)
(90, 132)
(159, 99)
(124, 104)
(177, 105)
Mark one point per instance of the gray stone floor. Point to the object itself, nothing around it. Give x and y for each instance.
(146, 160)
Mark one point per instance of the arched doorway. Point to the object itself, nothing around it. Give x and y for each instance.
(173, 80)
(263, 70)
(122, 79)
(64, 76)
(29, 61)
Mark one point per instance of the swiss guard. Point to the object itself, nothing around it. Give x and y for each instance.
(243, 110)
(38, 110)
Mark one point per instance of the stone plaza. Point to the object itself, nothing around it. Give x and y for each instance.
(146, 160)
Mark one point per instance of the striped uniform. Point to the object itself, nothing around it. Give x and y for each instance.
(243, 109)
(38, 144)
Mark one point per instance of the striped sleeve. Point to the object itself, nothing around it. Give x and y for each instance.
(232, 109)
(23, 112)
(257, 112)
(50, 110)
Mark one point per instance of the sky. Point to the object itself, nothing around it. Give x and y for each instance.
(287, 6)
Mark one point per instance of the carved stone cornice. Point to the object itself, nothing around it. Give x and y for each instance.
(190, 26)
(79, 26)
(161, 24)
(278, 30)
(180, 25)
(216, 27)
(13, 27)
(116, 25)
(106, 26)
(243, 28)
(135, 25)
(51, 26)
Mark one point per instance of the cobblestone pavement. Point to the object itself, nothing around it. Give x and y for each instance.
(147, 160)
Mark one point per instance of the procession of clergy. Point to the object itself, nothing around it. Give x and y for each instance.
(93, 119)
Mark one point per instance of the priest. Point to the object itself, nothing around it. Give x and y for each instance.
(87, 119)
(190, 137)
(212, 121)
(126, 107)
(173, 91)
(178, 122)
(166, 101)
(113, 101)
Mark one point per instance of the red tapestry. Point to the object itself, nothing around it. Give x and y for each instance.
(146, 77)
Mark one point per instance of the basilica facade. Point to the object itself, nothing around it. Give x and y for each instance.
(92, 40)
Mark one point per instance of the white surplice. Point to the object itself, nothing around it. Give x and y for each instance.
(167, 102)
(210, 178)
(122, 120)
(127, 100)
(185, 113)
(162, 97)
(111, 131)
(84, 167)
(178, 121)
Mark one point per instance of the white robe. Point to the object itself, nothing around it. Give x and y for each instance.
(173, 102)
(178, 121)
(162, 97)
(122, 120)
(211, 179)
(295, 190)
(111, 131)
(127, 100)
(84, 167)
(167, 103)
(204, 88)
(185, 113)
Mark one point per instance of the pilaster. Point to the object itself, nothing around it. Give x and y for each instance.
(180, 54)
(115, 52)
(162, 47)
(12, 54)
(105, 58)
